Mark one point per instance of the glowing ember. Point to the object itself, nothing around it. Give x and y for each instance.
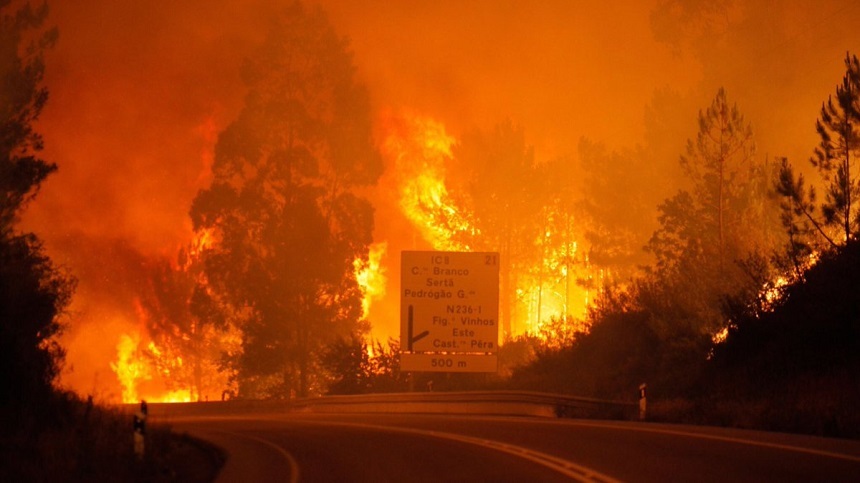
(182, 395)
(203, 239)
(720, 336)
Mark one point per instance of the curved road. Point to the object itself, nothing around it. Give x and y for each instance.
(405, 447)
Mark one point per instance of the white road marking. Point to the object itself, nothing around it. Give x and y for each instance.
(294, 465)
(565, 467)
(728, 439)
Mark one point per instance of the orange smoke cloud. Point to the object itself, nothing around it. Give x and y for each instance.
(139, 94)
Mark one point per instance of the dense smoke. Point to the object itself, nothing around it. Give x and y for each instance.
(138, 95)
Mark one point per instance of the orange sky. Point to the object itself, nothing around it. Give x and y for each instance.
(138, 95)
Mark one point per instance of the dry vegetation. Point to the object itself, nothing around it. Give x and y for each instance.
(71, 440)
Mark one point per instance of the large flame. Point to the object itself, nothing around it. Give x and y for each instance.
(129, 366)
(184, 368)
(136, 373)
(419, 149)
(370, 276)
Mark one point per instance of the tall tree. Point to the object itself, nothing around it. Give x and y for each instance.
(287, 222)
(805, 230)
(839, 130)
(33, 291)
(615, 206)
(835, 220)
(22, 69)
(722, 220)
(495, 177)
(718, 164)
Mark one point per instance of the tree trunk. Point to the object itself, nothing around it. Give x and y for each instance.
(847, 188)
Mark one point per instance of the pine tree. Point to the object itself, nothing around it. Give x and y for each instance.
(705, 232)
(835, 220)
(839, 130)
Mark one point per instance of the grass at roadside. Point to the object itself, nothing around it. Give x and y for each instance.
(78, 441)
(817, 406)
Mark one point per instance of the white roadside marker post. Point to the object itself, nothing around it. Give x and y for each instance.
(642, 401)
(140, 430)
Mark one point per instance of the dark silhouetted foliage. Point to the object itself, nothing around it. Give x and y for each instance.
(348, 362)
(803, 357)
(835, 157)
(823, 224)
(659, 328)
(23, 97)
(619, 215)
(610, 361)
(33, 292)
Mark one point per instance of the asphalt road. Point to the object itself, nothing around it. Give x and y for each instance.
(296, 447)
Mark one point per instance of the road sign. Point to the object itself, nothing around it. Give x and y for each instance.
(449, 305)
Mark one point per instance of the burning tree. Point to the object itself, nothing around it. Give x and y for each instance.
(500, 186)
(487, 192)
(189, 328)
(527, 210)
(563, 274)
(287, 223)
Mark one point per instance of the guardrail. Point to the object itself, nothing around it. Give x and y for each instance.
(521, 403)
(513, 403)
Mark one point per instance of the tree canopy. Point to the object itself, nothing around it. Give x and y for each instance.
(706, 233)
(22, 69)
(287, 222)
(835, 220)
(33, 291)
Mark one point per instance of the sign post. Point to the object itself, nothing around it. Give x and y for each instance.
(449, 311)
